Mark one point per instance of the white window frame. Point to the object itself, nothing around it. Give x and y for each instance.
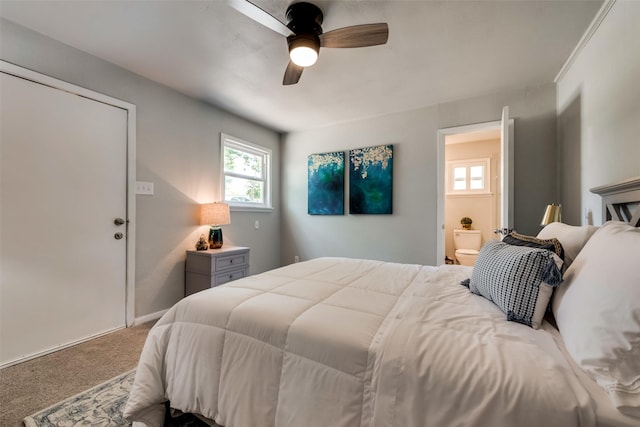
(254, 149)
(468, 164)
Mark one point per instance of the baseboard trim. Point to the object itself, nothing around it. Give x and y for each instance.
(137, 321)
(57, 348)
(149, 317)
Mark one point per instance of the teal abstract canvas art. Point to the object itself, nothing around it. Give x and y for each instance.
(371, 180)
(326, 183)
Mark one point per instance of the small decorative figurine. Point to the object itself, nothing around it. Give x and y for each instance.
(202, 244)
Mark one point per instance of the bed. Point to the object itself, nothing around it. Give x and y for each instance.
(543, 331)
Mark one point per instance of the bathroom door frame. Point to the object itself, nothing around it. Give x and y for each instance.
(505, 125)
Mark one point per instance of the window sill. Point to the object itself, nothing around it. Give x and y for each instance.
(244, 208)
(453, 195)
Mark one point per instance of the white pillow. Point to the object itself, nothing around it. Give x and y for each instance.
(572, 237)
(597, 310)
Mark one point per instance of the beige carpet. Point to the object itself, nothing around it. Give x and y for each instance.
(31, 386)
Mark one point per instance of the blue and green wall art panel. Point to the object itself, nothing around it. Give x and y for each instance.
(326, 183)
(371, 180)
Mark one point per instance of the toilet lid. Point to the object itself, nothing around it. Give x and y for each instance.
(467, 252)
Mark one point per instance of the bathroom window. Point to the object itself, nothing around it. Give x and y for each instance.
(468, 176)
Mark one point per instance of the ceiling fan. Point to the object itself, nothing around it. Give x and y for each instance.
(305, 37)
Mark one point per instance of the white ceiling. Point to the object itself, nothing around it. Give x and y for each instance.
(438, 51)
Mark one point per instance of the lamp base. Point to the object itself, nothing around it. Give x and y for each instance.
(215, 238)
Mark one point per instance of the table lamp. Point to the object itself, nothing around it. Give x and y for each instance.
(215, 214)
(553, 213)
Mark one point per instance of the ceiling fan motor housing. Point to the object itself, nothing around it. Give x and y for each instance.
(304, 18)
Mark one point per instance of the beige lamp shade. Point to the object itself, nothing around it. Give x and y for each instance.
(215, 214)
(553, 213)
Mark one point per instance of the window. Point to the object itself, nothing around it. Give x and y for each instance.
(468, 176)
(246, 173)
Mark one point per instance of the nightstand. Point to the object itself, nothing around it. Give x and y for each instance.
(213, 267)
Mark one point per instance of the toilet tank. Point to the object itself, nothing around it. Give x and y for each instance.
(467, 239)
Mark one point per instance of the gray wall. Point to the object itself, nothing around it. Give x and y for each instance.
(409, 234)
(598, 102)
(599, 114)
(178, 149)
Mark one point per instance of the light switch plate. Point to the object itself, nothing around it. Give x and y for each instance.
(145, 188)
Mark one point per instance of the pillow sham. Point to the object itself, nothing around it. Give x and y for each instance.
(518, 279)
(598, 312)
(551, 244)
(572, 237)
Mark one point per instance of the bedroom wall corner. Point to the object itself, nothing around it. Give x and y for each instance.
(598, 103)
(178, 149)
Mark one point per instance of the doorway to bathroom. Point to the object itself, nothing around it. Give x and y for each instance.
(475, 182)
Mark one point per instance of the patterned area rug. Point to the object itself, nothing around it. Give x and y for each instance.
(101, 405)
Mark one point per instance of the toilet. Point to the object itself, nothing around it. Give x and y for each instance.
(467, 244)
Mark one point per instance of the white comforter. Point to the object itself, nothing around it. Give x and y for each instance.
(338, 342)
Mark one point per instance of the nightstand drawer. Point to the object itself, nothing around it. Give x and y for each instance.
(230, 261)
(230, 276)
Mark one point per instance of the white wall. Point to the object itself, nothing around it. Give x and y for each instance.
(598, 102)
(409, 234)
(178, 140)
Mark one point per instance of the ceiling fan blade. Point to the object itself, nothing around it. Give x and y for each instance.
(356, 36)
(292, 74)
(259, 15)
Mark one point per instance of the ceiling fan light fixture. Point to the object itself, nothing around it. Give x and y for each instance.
(303, 50)
(303, 56)
(305, 36)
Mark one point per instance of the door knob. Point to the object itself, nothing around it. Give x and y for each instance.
(118, 221)
(118, 236)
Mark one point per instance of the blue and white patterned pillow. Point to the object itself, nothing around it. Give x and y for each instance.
(518, 279)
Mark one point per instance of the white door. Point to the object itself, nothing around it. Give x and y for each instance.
(63, 184)
(506, 165)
